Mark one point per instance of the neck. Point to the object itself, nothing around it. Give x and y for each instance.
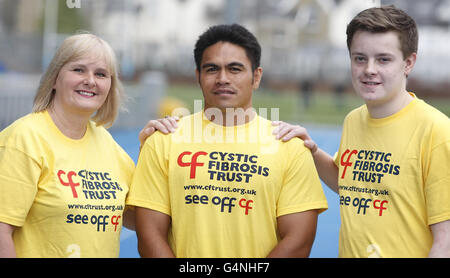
(72, 126)
(378, 111)
(230, 116)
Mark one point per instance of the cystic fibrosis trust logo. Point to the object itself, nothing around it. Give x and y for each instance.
(366, 167)
(193, 164)
(90, 185)
(66, 180)
(93, 185)
(347, 163)
(224, 166)
(369, 166)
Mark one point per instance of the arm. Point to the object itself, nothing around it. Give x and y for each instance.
(165, 125)
(327, 169)
(129, 219)
(152, 228)
(297, 232)
(6, 241)
(441, 240)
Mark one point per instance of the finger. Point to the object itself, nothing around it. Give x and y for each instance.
(152, 123)
(297, 131)
(283, 130)
(276, 130)
(176, 118)
(279, 126)
(310, 144)
(156, 125)
(173, 122)
(145, 133)
(167, 124)
(290, 134)
(159, 125)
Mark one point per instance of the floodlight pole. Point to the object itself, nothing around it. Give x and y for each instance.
(50, 31)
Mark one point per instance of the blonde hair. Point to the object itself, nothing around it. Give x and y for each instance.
(73, 48)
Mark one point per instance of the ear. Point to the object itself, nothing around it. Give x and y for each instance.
(257, 76)
(410, 61)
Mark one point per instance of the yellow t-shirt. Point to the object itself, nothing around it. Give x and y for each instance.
(224, 187)
(394, 181)
(66, 196)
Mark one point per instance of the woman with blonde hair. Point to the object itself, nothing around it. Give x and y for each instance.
(63, 178)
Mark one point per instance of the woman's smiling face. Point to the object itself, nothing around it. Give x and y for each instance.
(82, 85)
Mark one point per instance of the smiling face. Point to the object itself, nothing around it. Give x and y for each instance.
(379, 70)
(82, 85)
(226, 77)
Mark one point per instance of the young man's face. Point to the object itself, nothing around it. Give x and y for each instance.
(379, 69)
(226, 77)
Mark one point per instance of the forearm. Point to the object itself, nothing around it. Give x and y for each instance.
(289, 248)
(152, 229)
(155, 247)
(441, 240)
(327, 169)
(7, 249)
(129, 219)
(439, 251)
(297, 232)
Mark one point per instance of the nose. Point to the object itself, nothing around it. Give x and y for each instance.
(222, 77)
(89, 80)
(370, 68)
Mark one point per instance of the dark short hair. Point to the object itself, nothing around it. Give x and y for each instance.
(385, 19)
(235, 34)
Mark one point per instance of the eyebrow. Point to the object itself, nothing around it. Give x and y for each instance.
(378, 54)
(232, 64)
(208, 65)
(84, 66)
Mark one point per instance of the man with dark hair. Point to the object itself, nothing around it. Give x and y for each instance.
(392, 168)
(235, 34)
(221, 185)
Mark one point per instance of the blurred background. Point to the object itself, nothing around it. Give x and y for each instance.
(304, 57)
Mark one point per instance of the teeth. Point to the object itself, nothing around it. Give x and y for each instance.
(84, 93)
(371, 83)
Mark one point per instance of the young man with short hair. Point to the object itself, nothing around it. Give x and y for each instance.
(392, 170)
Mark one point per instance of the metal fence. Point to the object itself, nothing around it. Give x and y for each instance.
(16, 96)
(17, 93)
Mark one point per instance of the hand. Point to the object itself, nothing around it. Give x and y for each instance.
(286, 132)
(165, 125)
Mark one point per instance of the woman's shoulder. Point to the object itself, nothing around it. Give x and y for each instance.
(23, 127)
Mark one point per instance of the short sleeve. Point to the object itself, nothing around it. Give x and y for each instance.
(150, 188)
(19, 177)
(437, 184)
(301, 189)
(336, 158)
